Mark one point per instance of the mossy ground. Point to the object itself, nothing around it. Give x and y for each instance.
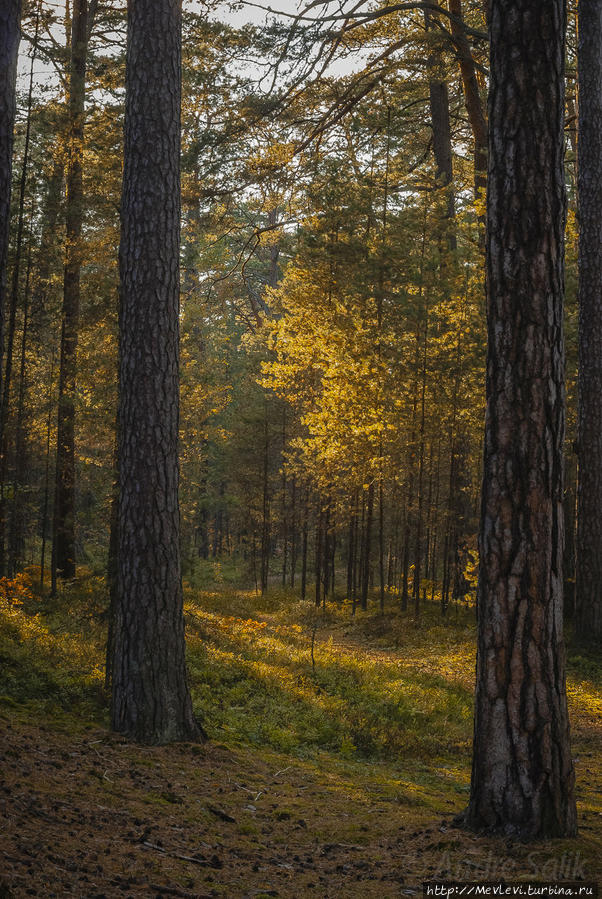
(336, 772)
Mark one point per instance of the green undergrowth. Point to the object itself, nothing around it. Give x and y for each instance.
(272, 672)
(369, 716)
(52, 649)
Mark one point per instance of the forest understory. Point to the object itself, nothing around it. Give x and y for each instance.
(339, 755)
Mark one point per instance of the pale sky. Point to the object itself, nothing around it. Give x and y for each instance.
(244, 14)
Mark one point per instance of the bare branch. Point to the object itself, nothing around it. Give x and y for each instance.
(370, 16)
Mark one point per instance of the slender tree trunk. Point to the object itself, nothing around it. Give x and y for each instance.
(421, 432)
(429, 512)
(450, 537)
(304, 548)
(327, 551)
(113, 564)
(17, 538)
(442, 141)
(41, 288)
(351, 547)
(10, 35)
(293, 531)
(381, 544)
(436, 518)
(284, 509)
(367, 554)
(151, 699)
(284, 535)
(265, 526)
(589, 442)
(64, 503)
(12, 310)
(570, 543)
(445, 581)
(472, 97)
(390, 557)
(318, 555)
(405, 570)
(46, 500)
(254, 558)
(358, 552)
(333, 554)
(203, 526)
(454, 500)
(14, 296)
(522, 775)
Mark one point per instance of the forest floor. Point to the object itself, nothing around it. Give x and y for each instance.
(339, 755)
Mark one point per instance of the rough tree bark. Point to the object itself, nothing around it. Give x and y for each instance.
(522, 775)
(150, 699)
(589, 443)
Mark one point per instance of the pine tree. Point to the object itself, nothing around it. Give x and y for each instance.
(151, 699)
(522, 775)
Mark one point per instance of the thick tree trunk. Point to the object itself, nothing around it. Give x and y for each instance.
(589, 442)
(64, 504)
(522, 776)
(151, 699)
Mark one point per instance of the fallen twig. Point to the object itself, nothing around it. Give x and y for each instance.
(212, 862)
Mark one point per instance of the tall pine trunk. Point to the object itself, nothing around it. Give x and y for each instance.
(151, 699)
(522, 775)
